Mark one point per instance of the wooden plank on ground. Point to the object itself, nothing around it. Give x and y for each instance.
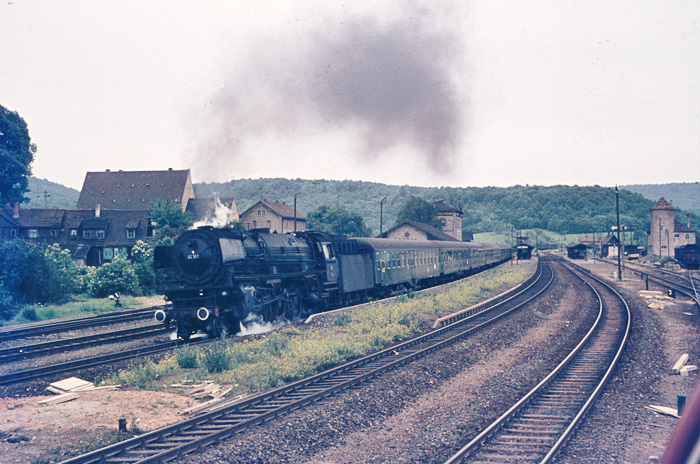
(680, 363)
(59, 399)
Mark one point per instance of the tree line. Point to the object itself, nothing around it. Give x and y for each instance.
(560, 208)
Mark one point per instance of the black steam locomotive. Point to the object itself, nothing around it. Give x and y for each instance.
(215, 278)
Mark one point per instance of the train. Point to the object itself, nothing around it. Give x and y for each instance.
(214, 278)
(688, 256)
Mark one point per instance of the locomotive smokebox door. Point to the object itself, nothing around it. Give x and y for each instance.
(331, 263)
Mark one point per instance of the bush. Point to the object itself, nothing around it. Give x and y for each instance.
(29, 313)
(117, 276)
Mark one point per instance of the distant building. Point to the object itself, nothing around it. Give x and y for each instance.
(451, 218)
(93, 237)
(666, 233)
(135, 190)
(412, 230)
(273, 215)
(577, 251)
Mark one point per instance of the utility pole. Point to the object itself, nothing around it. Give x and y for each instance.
(619, 252)
(381, 215)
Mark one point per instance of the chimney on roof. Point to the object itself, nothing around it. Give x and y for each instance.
(15, 210)
(97, 210)
(688, 221)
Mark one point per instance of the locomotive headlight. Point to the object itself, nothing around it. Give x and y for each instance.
(202, 314)
(160, 316)
(224, 293)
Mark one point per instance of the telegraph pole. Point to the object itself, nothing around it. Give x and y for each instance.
(619, 252)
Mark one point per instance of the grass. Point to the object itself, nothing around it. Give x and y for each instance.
(294, 353)
(79, 308)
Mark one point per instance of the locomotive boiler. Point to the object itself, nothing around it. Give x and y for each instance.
(214, 277)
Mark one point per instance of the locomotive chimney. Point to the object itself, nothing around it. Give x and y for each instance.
(97, 210)
(688, 221)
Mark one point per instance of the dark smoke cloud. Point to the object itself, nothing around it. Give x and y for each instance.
(392, 83)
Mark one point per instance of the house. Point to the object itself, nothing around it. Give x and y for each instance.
(135, 190)
(412, 230)
(609, 247)
(276, 216)
(93, 237)
(666, 233)
(96, 237)
(451, 218)
(9, 225)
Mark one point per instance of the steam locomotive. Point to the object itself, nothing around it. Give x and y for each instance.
(214, 277)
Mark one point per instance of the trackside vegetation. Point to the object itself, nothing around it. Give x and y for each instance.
(295, 352)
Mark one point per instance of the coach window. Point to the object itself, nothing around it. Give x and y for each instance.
(328, 251)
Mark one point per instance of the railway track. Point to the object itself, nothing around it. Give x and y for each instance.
(84, 363)
(18, 353)
(237, 416)
(687, 285)
(538, 425)
(16, 332)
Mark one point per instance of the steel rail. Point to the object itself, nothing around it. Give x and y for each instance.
(538, 437)
(38, 372)
(14, 332)
(233, 417)
(41, 349)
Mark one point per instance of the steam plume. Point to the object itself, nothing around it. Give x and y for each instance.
(392, 84)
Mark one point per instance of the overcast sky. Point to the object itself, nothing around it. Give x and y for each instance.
(459, 94)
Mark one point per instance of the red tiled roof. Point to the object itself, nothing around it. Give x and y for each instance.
(132, 190)
(662, 204)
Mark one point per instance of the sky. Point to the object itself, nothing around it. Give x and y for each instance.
(452, 93)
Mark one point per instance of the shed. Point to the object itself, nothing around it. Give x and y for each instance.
(577, 251)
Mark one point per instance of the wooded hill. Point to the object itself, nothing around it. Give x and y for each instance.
(560, 208)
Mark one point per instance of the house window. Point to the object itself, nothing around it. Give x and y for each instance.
(32, 233)
(87, 234)
(108, 253)
(74, 233)
(13, 233)
(687, 236)
(53, 233)
(100, 234)
(676, 235)
(131, 233)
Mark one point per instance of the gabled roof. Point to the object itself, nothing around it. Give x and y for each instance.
(6, 219)
(132, 190)
(442, 207)
(610, 240)
(679, 227)
(40, 218)
(430, 231)
(114, 222)
(662, 204)
(281, 208)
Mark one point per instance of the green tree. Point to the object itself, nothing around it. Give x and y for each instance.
(142, 262)
(169, 221)
(338, 221)
(419, 210)
(33, 273)
(16, 156)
